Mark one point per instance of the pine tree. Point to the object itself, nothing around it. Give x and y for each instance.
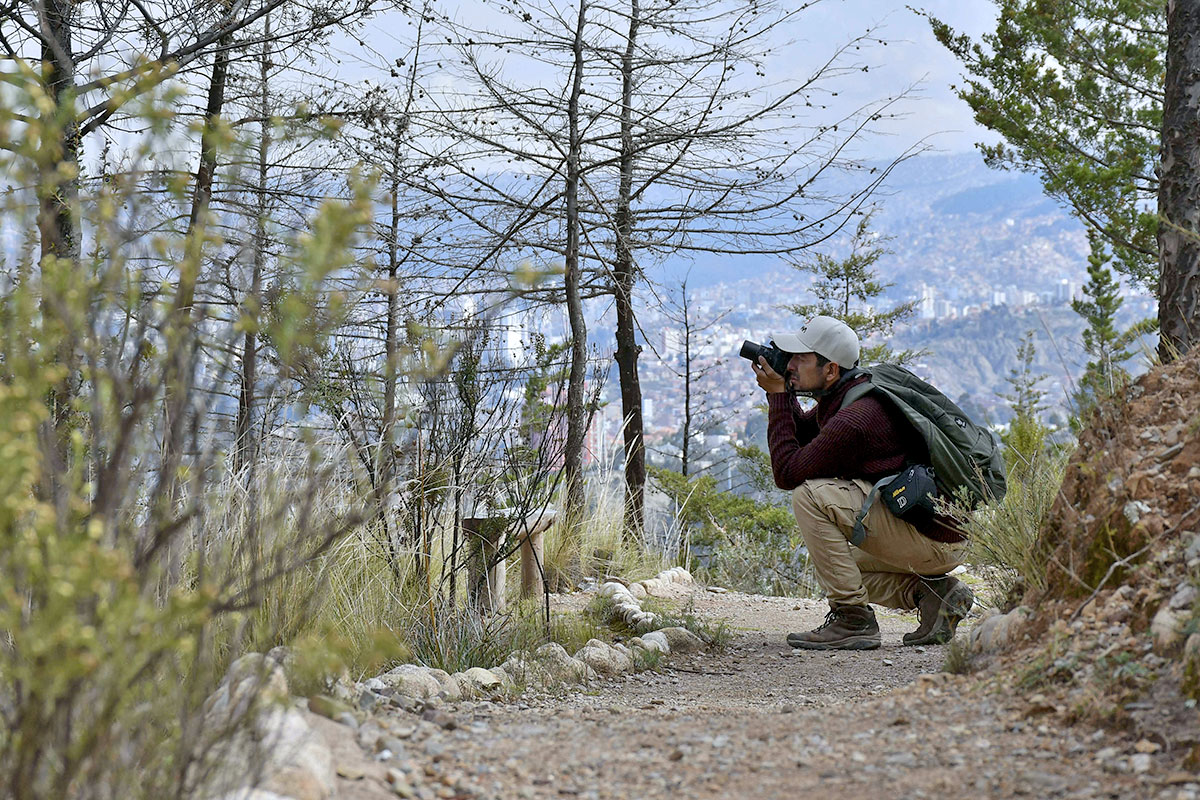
(1075, 91)
(1107, 346)
(846, 288)
(1026, 437)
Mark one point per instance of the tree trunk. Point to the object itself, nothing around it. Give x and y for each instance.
(181, 341)
(58, 228)
(1179, 185)
(180, 333)
(624, 272)
(386, 453)
(687, 383)
(244, 457)
(576, 419)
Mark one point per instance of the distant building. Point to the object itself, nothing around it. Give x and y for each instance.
(927, 307)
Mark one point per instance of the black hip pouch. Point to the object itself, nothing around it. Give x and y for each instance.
(911, 493)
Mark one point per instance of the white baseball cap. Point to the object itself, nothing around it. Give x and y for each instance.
(827, 337)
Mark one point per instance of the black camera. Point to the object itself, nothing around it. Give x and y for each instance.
(776, 358)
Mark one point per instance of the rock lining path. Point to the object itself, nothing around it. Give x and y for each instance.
(756, 721)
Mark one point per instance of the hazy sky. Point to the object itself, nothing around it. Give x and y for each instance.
(911, 57)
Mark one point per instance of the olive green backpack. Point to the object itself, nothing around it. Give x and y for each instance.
(967, 462)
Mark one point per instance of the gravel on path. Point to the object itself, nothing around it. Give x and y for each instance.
(759, 721)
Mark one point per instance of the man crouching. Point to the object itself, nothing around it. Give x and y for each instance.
(830, 458)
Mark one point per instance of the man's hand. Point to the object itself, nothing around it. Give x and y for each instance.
(770, 380)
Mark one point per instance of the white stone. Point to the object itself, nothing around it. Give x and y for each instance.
(656, 640)
(412, 680)
(995, 631)
(485, 679)
(625, 609)
(253, 678)
(1166, 628)
(480, 682)
(560, 665)
(1134, 510)
(1184, 597)
(527, 671)
(279, 751)
(251, 794)
(506, 680)
(298, 756)
(644, 621)
(681, 640)
(610, 588)
(637, 590)
(656, 586)
(450, 689)
(680, 575)
(605, 659)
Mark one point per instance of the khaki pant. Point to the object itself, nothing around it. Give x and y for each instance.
(885, 570)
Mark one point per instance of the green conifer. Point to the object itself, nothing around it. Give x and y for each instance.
(1105, 344)
(847, 288)
(1026, 437)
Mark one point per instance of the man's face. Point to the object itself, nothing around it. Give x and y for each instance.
(805, 376)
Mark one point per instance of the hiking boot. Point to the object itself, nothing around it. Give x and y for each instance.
(844, 628)
(941, 605)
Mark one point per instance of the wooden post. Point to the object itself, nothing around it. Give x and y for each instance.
(532, 551)
(483, 537)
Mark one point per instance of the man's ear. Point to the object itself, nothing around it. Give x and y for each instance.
(833, 371)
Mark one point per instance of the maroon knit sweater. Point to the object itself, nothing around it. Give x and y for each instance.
(867, 439)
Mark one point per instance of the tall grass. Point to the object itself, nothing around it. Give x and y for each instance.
(597, 547)
(749, 562)
(133, 571)
(458, 638)
(1006, 535)
(371, 607)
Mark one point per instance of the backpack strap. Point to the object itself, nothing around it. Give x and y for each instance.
(859, 534)
(857, 393)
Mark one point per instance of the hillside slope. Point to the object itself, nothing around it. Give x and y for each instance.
(1114, 637)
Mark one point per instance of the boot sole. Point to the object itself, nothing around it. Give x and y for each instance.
(856, 643)
(955, 605)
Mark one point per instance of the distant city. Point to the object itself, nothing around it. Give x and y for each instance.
(984, 256)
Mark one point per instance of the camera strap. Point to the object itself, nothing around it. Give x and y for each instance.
(847, 375)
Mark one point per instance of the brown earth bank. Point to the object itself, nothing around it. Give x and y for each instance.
(1112, 637)
(759, 721)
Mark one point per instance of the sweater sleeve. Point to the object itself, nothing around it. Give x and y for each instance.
(850, 445)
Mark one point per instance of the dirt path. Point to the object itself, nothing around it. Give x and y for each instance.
(756, 721)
